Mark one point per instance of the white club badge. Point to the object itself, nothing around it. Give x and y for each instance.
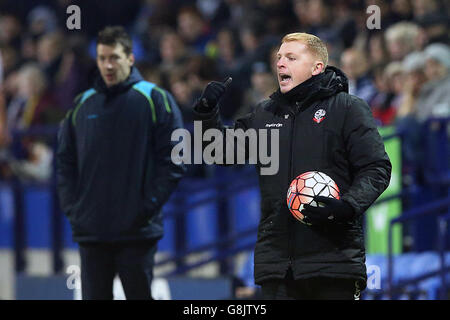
(319, 115)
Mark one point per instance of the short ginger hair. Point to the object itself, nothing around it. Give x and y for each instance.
(313, 43)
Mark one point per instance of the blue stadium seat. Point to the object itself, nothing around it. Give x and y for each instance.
(379, 261)
(244, 213)
(424, 263)
(38, 224)
(402, 264)
(167, 243)
(447, 264)
(6, 217)
(201, 221)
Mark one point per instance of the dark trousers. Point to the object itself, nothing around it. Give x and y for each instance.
(319, 288)
(133, 262)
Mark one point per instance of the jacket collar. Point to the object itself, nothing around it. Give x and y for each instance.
(318, 87)
(134, 77)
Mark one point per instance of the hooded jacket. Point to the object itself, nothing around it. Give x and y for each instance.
(114, 165)
(321, 127)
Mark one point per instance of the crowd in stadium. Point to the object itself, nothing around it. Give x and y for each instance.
(400, 69)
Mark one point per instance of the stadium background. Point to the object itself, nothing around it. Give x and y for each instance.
(211, 219)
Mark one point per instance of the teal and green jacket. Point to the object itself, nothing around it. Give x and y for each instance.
(114, 166)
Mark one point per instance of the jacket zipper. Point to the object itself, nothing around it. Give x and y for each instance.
(291, 175)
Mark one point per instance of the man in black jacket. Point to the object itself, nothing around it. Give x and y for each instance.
(321, 127)
(115, 171)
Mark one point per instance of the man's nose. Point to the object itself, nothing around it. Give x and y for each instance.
(280, 63)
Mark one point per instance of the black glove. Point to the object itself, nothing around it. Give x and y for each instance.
(211, 95)
(329, 210)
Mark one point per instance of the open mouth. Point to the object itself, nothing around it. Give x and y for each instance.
(284, 78)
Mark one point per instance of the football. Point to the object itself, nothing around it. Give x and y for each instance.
(305, 187)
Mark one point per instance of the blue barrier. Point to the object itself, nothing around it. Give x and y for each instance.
(244, 213)
(416, 275)
(201, 222)
(426, 263)
(432, 209)
(37, 217)
(167, 243)
(402, 264)
(6, 216)
(67, 232)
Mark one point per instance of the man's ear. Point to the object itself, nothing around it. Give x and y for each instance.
(131, 59)
(319, 66)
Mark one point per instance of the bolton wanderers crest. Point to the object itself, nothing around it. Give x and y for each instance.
(319, 115)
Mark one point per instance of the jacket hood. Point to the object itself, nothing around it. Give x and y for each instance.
(100, 85)
(318, 87)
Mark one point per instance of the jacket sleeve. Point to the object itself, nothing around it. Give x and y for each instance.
(211, 120)
(66, 165)
(163, 174)
(369, 162)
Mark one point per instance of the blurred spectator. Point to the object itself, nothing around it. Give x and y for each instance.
(10, 30)
(49, 50)
(172, 51)
(200, 70)
(29, 48)
(215, 11)
(435, 26)
(65, 71)
(377, 50)
(355, 65)
(152, 15)
(414, 70)
(183, 94)
(154, 18)
(281, 15)
(34, 103)
(151, 73)
(41, 20)
(434, 97)
(194, 30)
(38, 164)
(256, 47)
(238, 10)
(319, 22)
(402, 38)
(402, 9)
(382, 105)
(227, 51)
(11, 60)
(314, 17)
(422, 8)
(263, 85)
(406, 122)
(394, 77)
